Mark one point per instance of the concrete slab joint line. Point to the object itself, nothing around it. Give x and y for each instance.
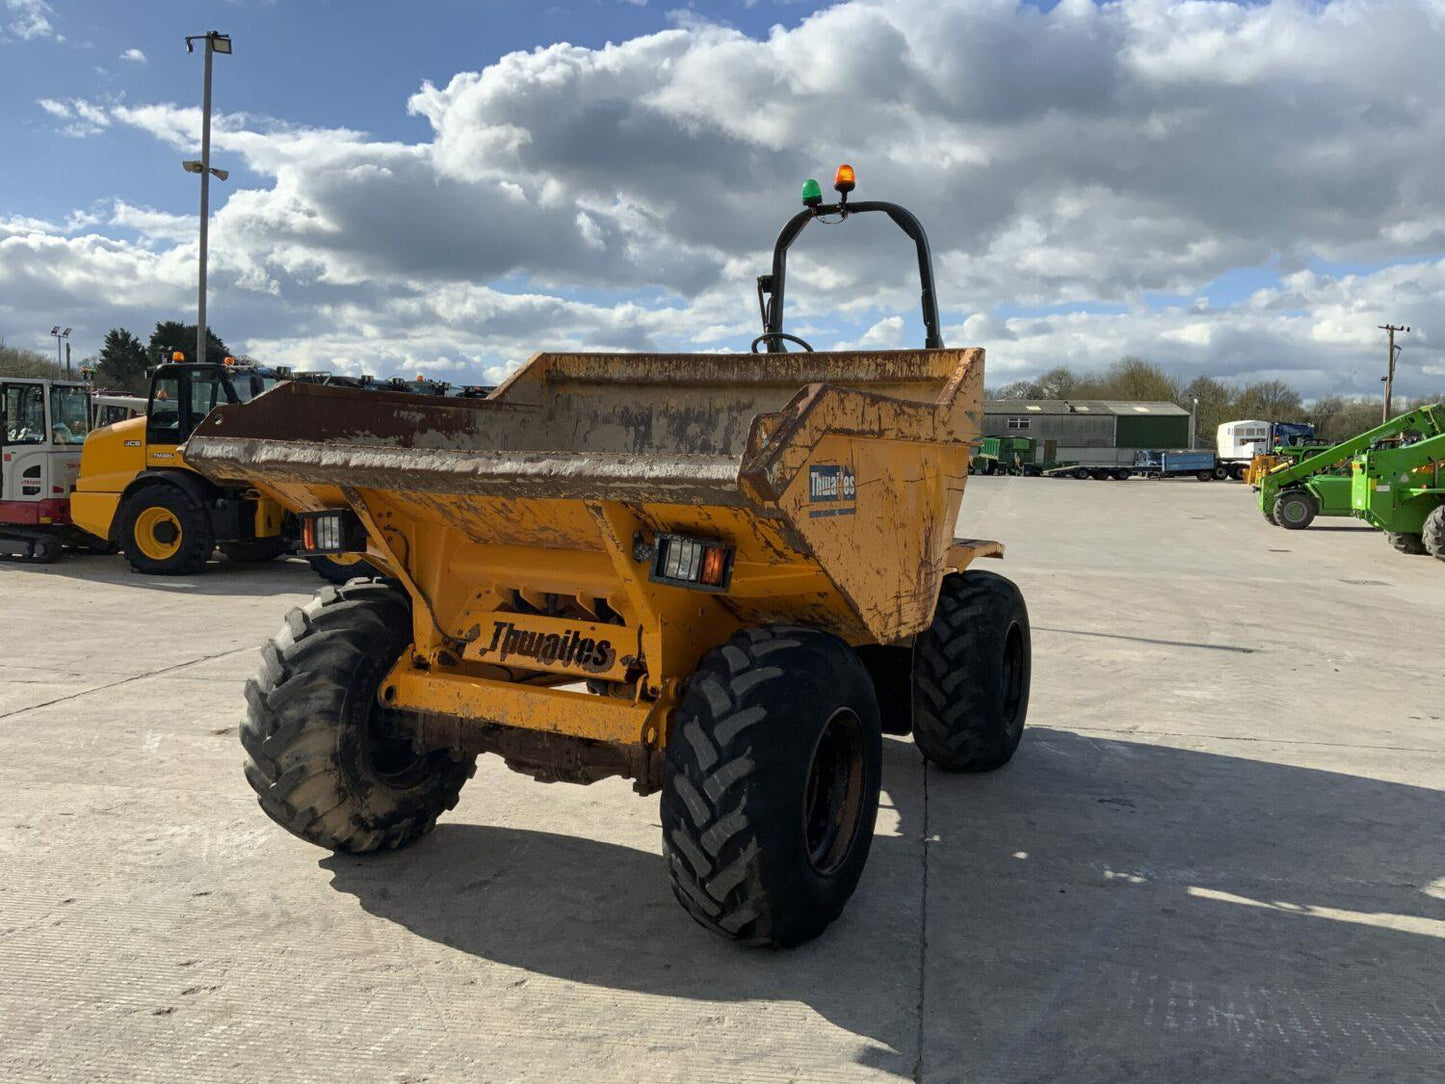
(923, 939)
(127, 681)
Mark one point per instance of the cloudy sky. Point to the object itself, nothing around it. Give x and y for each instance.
(1244, 190)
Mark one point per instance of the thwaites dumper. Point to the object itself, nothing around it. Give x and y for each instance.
(748, 562)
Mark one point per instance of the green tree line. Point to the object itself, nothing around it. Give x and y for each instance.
(1335, 417)
(123, 359)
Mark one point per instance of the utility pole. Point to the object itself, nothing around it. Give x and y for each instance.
(216, 42)
(1389, 376)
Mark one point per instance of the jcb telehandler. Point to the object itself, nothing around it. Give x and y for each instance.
(749, 560)
(137, 490)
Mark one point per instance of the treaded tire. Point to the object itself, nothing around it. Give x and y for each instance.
(254, 551)
(312, 754)
(1295, 509)
(971, 671)
(1413, 544)
(197, 539)
(1269, 517)
(736, 833)
(1432, 533)
(338, 573)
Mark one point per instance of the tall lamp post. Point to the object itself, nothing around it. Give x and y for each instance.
(216, 42)
(60, 337)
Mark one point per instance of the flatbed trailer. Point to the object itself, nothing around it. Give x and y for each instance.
(1150, 463)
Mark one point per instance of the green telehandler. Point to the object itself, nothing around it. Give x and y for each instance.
(1401, 490)
(1291, 496)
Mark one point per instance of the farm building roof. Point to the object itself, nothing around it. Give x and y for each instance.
(1018, 407)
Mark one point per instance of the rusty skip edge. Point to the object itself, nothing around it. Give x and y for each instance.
(564, 476)
(776, 446)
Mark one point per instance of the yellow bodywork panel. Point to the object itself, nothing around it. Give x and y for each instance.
(112, 458)
(524, 525)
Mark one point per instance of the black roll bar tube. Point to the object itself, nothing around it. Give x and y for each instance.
(771, 288)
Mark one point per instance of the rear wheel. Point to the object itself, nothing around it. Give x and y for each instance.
(1220, 473)
(1121, 476)
(971, 672)
(1204, 475)
(254, 551)
(338, 568)
(44, 550)
(324, 757)
(1412, 544)
(771, 784)
(1432, 534)
(164, 532)
(1295, 509)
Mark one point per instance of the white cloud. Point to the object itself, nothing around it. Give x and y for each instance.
(30, 19)
(135, 56)
(1079, 162)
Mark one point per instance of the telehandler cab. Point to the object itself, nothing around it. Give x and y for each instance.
(749, 560)
(136, 488)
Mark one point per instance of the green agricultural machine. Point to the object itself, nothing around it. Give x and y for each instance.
(1292, 495)
(1004, 455)
(1401, 490)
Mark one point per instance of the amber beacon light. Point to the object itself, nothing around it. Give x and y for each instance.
(844, 180)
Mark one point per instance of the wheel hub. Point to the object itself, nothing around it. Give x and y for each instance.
(833, 799)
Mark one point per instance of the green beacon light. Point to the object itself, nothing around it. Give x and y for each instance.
(812, 193)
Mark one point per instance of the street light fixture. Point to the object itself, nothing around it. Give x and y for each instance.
(216, 42)
(60, 337)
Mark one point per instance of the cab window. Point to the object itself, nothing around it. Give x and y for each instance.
(69, 415)
(249, 385)
(205, 393)
(24, 414)
(163, 419)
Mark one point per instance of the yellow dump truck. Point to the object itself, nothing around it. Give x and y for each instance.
(722, 577)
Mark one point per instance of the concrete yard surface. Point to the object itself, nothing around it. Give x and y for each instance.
(1217, 855)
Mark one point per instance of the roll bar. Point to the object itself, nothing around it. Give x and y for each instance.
(771, 288)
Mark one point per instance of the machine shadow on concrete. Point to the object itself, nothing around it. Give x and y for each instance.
(1098, 909)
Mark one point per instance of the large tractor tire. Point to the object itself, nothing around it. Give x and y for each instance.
(342, 568)
(255, 551)
(164, 532)
(1432, 533)
(1295, 509)
(770, 787)
(971, 670)
(1413, 544)
(321, 753)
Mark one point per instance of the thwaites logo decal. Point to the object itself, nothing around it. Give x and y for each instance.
(832, 490)
(569, 649)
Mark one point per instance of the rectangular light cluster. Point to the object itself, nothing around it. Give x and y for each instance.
(700, 563)
(335, 531)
